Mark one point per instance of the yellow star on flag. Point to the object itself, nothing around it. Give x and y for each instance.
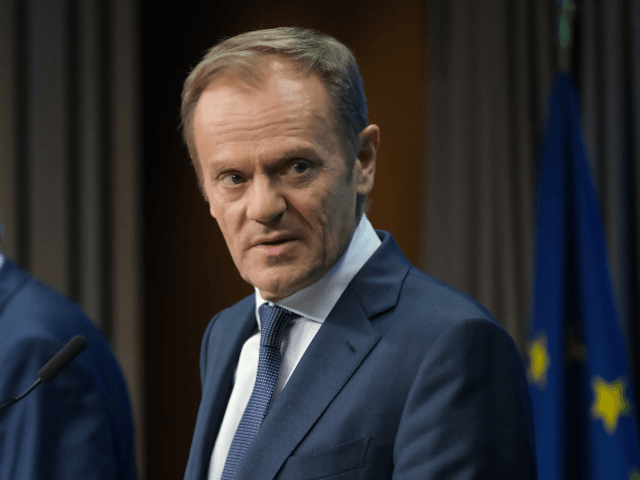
(634, 474)
(610, 403)
(539, 361)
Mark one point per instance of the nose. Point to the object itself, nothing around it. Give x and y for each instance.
(265, 200)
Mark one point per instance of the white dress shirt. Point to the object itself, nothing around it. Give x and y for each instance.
(313, 304)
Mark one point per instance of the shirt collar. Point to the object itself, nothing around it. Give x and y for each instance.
(316, 301)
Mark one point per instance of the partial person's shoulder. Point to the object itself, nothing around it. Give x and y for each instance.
(431, 312)
(390, 280)
(437, 298)
(427, 307)
(40, 320)
(46, 302)
(230, 316)
(31, 308)
(239, 308)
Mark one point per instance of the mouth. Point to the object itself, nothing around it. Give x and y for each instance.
(274, 246)
(274, 242)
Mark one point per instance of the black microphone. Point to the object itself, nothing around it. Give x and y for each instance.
(63, 358)
(54, 366)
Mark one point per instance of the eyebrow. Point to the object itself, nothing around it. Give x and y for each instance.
(303, 152)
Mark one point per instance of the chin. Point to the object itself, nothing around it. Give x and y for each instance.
(272, 287)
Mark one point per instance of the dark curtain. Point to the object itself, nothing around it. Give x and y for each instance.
(492, 64)
(70, 161)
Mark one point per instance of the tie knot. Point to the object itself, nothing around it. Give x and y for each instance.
(272, 323)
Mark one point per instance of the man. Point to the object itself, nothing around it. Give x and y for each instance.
(79, 425)
(347, 362)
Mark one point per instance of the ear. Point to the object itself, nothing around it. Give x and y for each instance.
(365, 166)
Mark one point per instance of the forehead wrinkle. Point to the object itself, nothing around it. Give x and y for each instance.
(264, 128)
(257, 122)
(260, 143)
(277, 93)
(250, 119)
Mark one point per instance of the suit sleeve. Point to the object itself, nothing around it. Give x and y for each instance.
(468, 415)
(59, 431)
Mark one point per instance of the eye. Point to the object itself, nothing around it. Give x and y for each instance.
(233, 179)
(299, 167)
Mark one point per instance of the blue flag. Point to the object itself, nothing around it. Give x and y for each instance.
(583, 400)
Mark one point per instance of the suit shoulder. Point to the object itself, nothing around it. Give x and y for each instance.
(35, 309)
(438, 301)
(38, 319)
(247, 302)
(239, 308)
(226, 317)
(431, 316)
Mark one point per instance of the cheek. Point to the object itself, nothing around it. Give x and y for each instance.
(315, 209)
(342, 217)
(342, 204)
(332, 221)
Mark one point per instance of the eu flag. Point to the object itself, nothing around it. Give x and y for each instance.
(584, 408)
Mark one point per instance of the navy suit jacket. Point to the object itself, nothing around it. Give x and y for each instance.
(79, 425)
(407, 378)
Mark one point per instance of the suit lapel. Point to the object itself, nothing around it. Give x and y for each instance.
(225, 342)
(337, 350)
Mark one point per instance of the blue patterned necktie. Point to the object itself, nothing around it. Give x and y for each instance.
(272, 323)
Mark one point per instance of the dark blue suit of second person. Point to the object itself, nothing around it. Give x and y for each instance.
(79, 426)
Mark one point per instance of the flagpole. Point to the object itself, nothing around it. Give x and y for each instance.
(565, 34)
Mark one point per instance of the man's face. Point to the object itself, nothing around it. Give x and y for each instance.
(275, 176)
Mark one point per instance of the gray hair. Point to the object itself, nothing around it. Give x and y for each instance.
(310, 49)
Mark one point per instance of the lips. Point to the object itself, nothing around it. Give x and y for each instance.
(275, 241)
(274, 247)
